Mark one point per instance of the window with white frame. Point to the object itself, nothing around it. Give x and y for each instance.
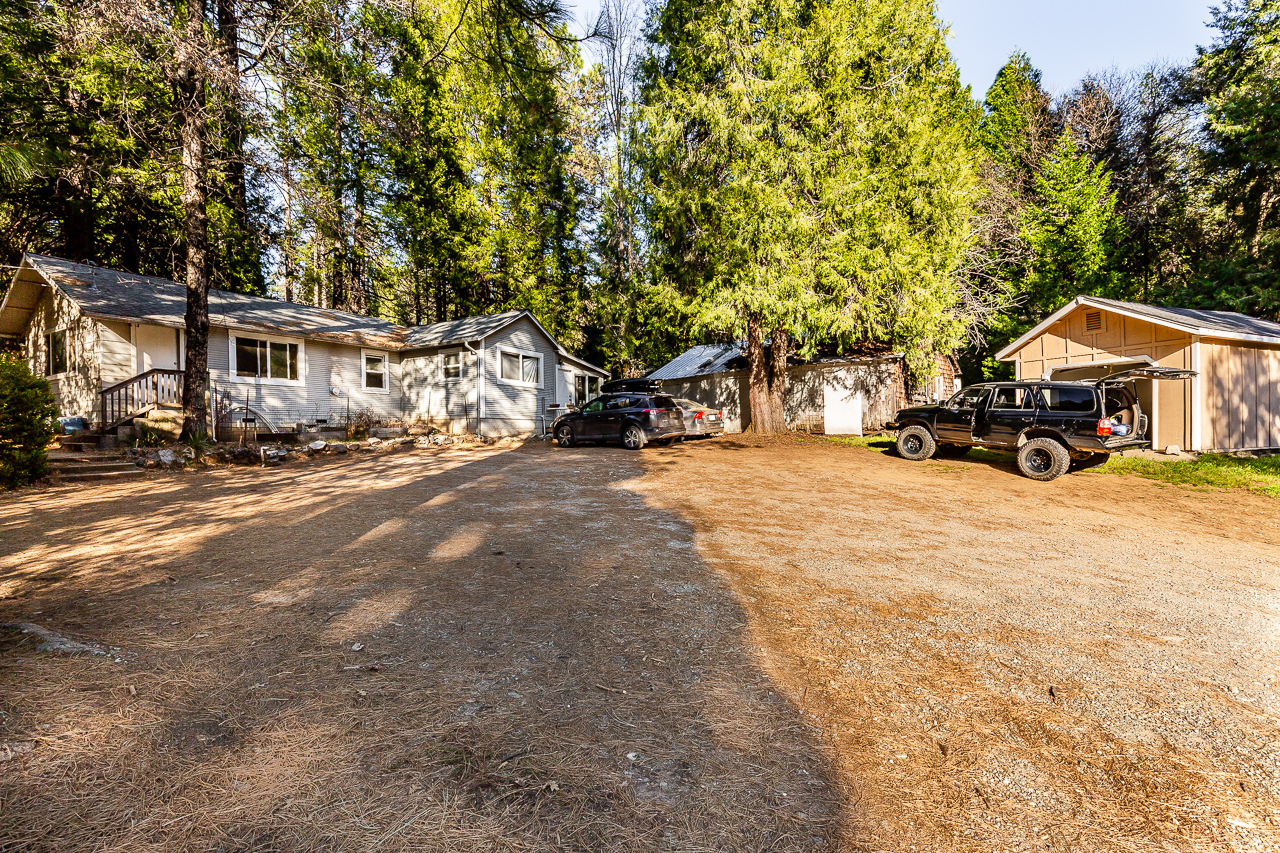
(517, 367)
(451, 365)
(585, 388)
(266, 359)
(374, 371)
(57, 358)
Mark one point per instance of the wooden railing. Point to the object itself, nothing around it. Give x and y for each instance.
(140, 394)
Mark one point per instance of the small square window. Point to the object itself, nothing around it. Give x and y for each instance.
(451, 365)
(375, 371)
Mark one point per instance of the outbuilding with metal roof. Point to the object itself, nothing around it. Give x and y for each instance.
(1233, 402)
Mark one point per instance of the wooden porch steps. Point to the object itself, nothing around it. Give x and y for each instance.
(87, 467)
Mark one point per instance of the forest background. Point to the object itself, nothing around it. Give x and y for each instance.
(807, 174)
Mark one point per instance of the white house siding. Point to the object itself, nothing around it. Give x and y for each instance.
(515, 409)
(115, 352)
(325, 366)
(75, 392)
(451, 405)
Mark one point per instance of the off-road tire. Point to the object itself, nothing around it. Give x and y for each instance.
(565, 436)
(632, 437)
(951, 451)
(1043, 459)
(916, 443)
(1093, 460)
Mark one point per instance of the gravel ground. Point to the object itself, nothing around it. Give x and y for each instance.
(1088, 664)
(727, 645)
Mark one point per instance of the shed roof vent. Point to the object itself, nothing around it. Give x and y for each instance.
(1093, 321)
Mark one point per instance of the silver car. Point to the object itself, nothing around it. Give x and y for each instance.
(700, 421)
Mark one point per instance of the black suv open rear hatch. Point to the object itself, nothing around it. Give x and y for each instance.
(1147, 372)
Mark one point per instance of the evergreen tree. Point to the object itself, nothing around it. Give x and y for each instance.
(810, 177)
(1239, 81)
(1073, 231)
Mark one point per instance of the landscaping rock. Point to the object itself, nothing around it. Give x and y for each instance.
(339, 448)
(317, 446)
(167, 458)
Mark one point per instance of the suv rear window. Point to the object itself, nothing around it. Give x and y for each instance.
(1068, 399)
(664, 403)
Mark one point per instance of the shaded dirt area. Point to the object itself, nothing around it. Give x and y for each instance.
(435, 650)
(728, 645)
(999, 664)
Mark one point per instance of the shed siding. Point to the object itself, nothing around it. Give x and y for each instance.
(1241, 390)
(513, 409)
(880, 381)
(75, 392)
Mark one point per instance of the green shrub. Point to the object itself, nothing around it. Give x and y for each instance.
(28, 422)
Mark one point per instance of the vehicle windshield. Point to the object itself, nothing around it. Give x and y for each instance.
(968, 398)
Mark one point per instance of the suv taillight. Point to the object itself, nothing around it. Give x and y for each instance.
(1104, 427)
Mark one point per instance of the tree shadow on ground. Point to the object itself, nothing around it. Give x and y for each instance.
(486, 650)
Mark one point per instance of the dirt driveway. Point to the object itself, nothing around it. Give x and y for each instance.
(722, 646)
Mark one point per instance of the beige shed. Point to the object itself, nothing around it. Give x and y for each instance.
(1232, 404)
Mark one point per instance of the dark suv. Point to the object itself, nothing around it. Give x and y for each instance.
(1052, 426)
(631, 418)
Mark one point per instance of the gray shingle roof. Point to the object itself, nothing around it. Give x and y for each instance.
(699, 361)
(457, 331)
(106, 293)
(110, 294)
(1219, 321)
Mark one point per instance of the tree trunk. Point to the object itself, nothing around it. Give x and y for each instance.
(766, 378)
(189, 84)
(236, 189)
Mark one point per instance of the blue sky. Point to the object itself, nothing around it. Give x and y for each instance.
(1064, 38)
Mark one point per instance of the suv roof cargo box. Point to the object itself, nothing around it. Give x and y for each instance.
(630, 385)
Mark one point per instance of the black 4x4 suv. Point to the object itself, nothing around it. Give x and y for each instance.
(1052, 426)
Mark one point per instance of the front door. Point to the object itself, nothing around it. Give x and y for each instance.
(157, 347)
(954, 420)
(589, 425)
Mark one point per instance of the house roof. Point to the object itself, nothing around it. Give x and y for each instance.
(457, 331)
(108, 294)
(699, 361)
(1210, 324)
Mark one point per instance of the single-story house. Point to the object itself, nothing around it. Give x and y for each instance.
(112, 343)
(1232, 404)
(838, 396)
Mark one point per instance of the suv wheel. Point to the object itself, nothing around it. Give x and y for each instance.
(916, 443)
(632, 437)
(564, 436)
(1043, 459)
